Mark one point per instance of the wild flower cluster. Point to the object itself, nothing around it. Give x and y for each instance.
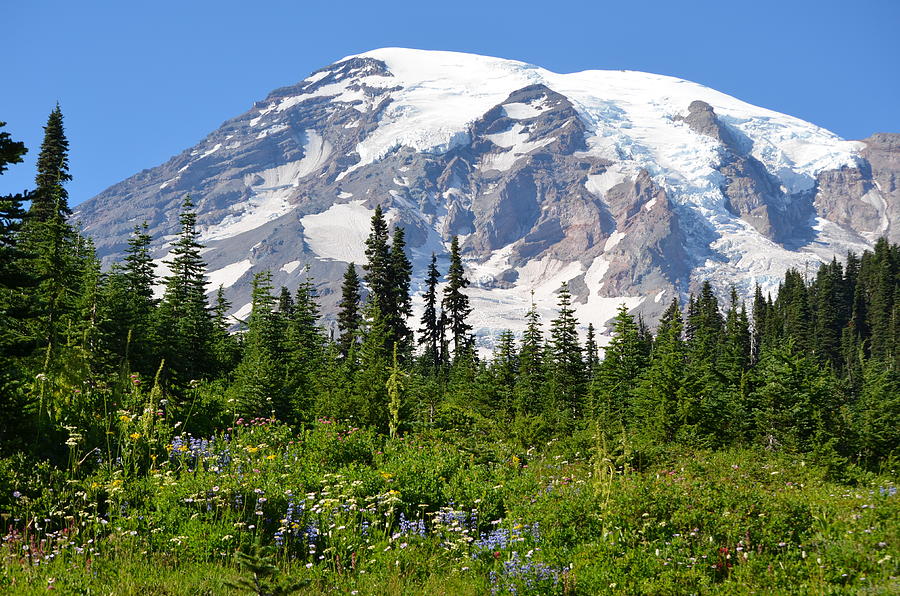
(342, 509)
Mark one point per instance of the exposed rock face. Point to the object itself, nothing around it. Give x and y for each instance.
(631, 187)
(865, 198)
(751, 191)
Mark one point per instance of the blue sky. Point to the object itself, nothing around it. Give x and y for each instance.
(140, 82)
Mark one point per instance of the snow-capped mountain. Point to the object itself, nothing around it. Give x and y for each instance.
(632, 187)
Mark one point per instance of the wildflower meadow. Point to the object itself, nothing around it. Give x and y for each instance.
(335, 508)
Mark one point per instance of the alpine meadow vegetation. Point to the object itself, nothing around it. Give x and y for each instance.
(157, 445)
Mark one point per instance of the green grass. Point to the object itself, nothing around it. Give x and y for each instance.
(448, 515)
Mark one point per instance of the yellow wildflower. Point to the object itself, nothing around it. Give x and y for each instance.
(135, 436)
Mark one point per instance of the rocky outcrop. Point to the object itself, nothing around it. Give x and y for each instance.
(882, 151)
(751, 192)
(866, 198)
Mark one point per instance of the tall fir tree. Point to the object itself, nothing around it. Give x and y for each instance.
(378, 259)
(625, 358)
(14, 282)
(50, 195)
(306, 348)
(183, 326)
(566, 372)
(504, 369)
(285, 304)
(760, 324)
(429, 332)
(832, 306)
(12, 215)
(370, 379)
(139, 268)
(455, 303)
(793, 311)
(225, 347)
(50, 244)
(349, 316)
(655, 407)
(259, 378)
(400, 304)
(530, 382)
(881, 275)
(53, 257)
(140, 278)
(591, 353)
(736, 352)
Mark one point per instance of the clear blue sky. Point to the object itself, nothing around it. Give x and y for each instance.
(140, 81)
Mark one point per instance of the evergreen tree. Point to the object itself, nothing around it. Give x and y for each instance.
(349, 317)
(50, 196)
(14, 280)
(793, 312)
(882, 279)
(566, 369)
(54, 260)
(306, 348)
(183, 326)
(11, 216)
(530, 382)
(13, 275)
(591, 353)
(378, 259)
(832, 312)
(370, 382)
(285, 305)
(705, 406)
(794, 400)
(655, 409)
(705, 326)
(735, 355)
(139, 267)
(259, 378)
(443, 325)
(760, 324)
(625, 358)
(140, 278)
(225, 347)
(503, 371)
(877, 413)
(455, 303)
(400, 302)
(430, 333)
(388, 272)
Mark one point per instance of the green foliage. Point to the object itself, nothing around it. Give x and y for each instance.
(259, 385)
(625, 358)
(50, 197)
(265, 580)
(349, 315)
(269, 457)
(455, 302)
(183, 327)
(430, 332)
(566, 373)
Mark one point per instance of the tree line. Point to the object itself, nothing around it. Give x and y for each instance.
(814, 369)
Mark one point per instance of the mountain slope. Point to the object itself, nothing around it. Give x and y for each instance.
(630, 186)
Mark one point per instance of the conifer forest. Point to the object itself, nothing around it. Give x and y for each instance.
(150, 443)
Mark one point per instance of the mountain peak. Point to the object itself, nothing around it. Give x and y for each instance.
(632, 187)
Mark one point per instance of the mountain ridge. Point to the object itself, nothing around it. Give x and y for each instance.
(632, 187)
